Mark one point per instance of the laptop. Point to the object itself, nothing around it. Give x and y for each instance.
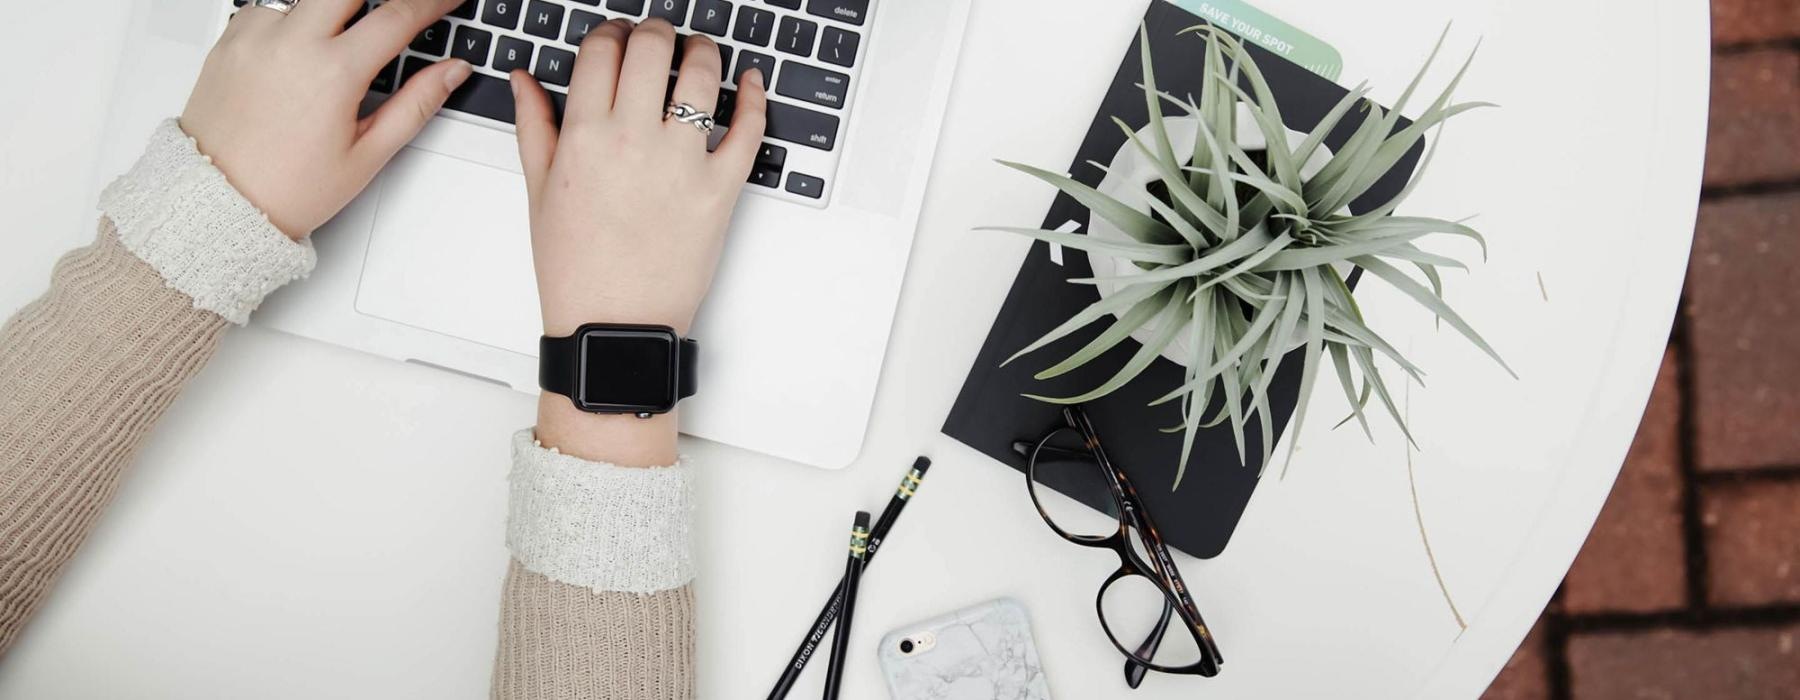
(432, 264)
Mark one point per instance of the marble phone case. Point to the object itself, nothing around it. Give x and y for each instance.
(982, 652)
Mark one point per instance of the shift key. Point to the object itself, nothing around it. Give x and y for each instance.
(815, 85)
(803, 126)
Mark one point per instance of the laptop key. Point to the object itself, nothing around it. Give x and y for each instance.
(512, 54)
(471, 45)
(673, 10)
(852, 11)
(815, 85)
(712, 16)
(483, 96)
(727, 107)
(630, 7)
(839, 47)
(388, 78)
(806, 185)
(751, 59)
(754, 26)
(434, 40)
(465, 10)
(554, 66)
(580, 23)
(788, 4)
(796, 36)
(772, 155)
(765, 176)
(501, 13)
(802, 126)
(543, 19)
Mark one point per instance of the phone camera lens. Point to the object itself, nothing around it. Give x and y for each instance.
(906, 646)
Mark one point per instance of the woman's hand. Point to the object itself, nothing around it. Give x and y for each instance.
(628, 211)
(276, 104)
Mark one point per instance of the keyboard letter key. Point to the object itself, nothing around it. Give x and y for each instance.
(712, 16)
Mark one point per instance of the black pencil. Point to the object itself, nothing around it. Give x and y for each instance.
(821, 626)
(853, 568)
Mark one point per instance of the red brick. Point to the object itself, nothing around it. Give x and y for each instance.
(1752, 542)
(1734, 664)
(1743, 321)
(1526, 676)
(1739, 21)
(1754, 131)
(1635, 559)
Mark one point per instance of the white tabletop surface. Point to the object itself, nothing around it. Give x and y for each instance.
(313, 522)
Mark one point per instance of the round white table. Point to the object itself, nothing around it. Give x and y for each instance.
(313, 522)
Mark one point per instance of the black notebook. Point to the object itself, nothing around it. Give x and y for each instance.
(990, 414)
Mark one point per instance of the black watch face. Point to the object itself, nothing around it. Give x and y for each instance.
(628, 371)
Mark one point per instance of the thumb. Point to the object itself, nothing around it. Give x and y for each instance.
(535, 120)
(398, 120)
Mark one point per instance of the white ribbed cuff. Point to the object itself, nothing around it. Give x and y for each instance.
(600, 526)
(176, 212)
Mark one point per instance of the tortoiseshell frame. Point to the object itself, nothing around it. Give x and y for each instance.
(1161, 571)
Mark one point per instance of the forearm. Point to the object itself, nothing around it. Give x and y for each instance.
(87, 369)
(597, 600)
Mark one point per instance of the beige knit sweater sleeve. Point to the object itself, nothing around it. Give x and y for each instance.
(596, 603)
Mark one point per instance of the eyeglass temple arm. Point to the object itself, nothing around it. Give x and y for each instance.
(1024, 448)
(1134, 671)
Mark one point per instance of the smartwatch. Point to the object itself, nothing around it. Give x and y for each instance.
(618, 368)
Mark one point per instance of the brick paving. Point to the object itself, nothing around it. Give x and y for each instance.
(1689, 585)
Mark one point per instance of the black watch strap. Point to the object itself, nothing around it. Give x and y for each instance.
(559, 365)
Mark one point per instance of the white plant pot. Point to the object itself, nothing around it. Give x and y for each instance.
(1127, 177)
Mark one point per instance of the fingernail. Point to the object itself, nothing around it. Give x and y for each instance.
(459, 72)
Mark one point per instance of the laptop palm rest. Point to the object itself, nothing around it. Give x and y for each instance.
(450, 252)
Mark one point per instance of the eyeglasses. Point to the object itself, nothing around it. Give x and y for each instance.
(1138, 603)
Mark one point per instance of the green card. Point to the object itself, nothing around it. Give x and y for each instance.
(1262, 29)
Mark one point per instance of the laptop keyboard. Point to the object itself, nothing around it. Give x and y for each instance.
(810, 52)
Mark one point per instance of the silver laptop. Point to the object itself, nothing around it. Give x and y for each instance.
(432, 264)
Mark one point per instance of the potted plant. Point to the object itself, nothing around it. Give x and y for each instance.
(1222, 240)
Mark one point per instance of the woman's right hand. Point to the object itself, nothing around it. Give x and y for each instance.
(628, 210)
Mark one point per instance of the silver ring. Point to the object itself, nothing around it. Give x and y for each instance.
(687, 114)
(282, 6)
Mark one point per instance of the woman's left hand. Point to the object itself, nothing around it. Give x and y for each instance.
(276, 106)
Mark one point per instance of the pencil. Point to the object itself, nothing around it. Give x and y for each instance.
(821, 626)
(853, 568)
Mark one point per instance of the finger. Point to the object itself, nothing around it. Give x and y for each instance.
(644, 77)
(379, 37)
(398, 120)
(325, 17)
(698, 84)
(737, 152)
(255, 18)
(537, 131)
(596, 76)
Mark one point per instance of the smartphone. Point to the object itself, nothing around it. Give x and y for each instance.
(977, 653)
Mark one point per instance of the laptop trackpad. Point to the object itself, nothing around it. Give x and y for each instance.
(450, 252)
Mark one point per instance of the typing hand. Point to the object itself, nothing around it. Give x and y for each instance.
(628, 210)
(276, 104)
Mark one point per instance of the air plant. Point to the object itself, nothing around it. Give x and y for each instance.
(1248, 256)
